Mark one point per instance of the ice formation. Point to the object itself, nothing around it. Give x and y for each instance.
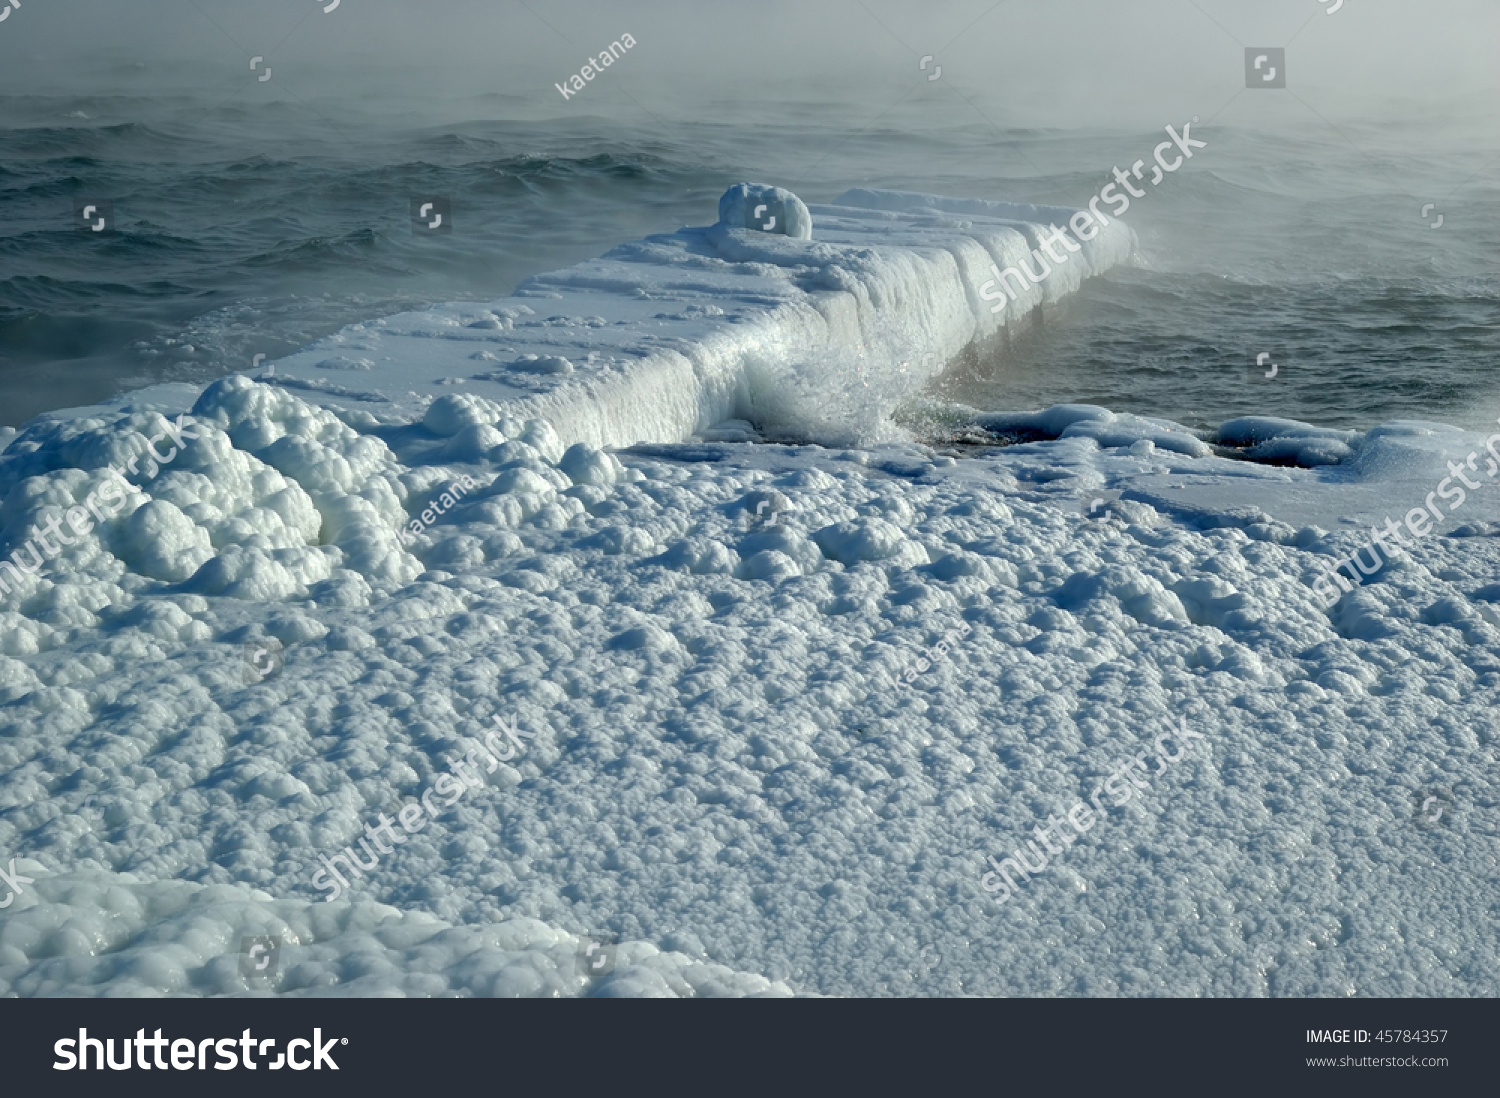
(707, 639)
(98, 933)
(665, 337)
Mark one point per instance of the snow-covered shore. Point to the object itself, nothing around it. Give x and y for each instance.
(707, 638)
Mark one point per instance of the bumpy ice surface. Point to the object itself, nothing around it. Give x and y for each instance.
(706, 641)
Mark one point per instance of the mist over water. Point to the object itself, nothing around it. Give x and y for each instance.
(253, 217)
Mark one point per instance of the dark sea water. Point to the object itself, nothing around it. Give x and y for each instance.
(244, 229)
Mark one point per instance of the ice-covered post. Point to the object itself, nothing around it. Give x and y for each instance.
(765, 209)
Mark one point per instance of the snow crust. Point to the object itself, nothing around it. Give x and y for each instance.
(708, 641)
(87, 934)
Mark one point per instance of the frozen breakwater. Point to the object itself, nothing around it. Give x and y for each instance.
(664, 337)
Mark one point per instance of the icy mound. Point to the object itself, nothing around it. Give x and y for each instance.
(1303, 475)
(1267, 438)
(748, 319)
(1259, 438)
(87, 934)
(267, 498)
(1108, 429)
(765, 209)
